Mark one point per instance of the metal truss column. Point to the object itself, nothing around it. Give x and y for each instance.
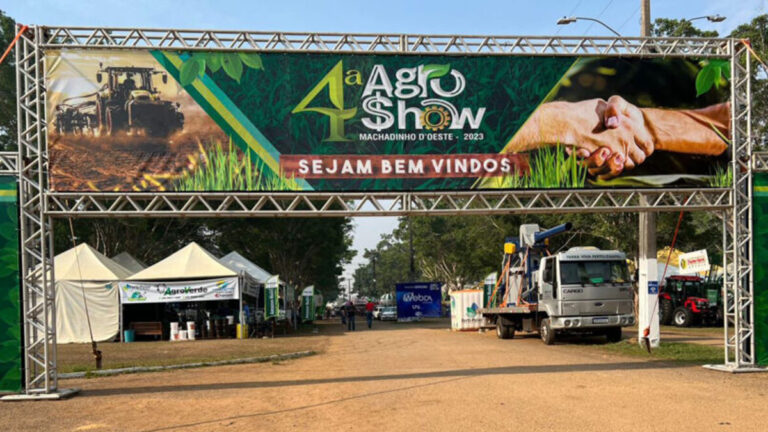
(38, 302)
(737, 226)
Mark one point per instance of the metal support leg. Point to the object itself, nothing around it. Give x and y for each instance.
(648, 284)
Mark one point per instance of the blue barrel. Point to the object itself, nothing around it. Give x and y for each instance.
(129, 335)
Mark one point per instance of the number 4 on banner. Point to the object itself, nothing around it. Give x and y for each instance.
(334, 80)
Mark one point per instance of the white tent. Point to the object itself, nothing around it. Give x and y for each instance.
(84, 269)
(189, 262)
(189, 274)
(129, 262)
(236, 261)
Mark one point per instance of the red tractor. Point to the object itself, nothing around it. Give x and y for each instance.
(686, 300)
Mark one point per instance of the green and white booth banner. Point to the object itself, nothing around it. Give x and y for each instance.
(179, 291)
(308, 303)
(488, 285)
(271, 297)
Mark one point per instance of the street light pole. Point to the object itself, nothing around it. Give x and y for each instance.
(569, 20)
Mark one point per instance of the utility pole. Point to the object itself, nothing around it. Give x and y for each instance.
(410, 248)
(647, 283)
(373, 261)
(645, 18)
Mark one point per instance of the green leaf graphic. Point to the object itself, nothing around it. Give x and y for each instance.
(190, 70)
(233, 66)
(436, 71)
(214, 61)
(252, 60)
(706, 79)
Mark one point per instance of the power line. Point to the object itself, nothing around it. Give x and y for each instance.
(628, 19)
(610, 2)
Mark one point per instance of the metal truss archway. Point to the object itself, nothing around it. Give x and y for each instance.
(39, 205)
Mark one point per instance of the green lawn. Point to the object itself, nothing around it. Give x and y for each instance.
(668, 351)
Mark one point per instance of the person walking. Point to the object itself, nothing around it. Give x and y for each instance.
(369, 313)
(350, 316)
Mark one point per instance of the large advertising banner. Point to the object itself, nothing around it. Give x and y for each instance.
(760, 269)
(418, 300)
(10, 305)
(179, 291)
(134, 120)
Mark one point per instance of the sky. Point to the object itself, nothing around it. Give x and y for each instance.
(478, 17)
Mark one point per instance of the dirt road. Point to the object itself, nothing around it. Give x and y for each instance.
(414, 377)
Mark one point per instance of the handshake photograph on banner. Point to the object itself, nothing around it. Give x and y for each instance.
(640, 120)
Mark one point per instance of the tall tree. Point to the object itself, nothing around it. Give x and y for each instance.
(670, 27)
(8, 122)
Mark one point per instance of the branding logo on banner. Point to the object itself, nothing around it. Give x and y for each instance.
(418, 300)
(174, 291)
(694, 262)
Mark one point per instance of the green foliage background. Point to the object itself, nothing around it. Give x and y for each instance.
(760, 212)
(10, 313)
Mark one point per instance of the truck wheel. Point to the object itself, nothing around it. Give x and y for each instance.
(682, 317)
(665, 312)
(504, 331)
(613, 334)
(546, 332)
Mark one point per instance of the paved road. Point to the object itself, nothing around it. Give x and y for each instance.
(414, 377)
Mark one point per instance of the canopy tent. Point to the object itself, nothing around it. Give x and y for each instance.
(191, 274)
(129, 262)
(189, 262)
(236, 261)
(84, 272)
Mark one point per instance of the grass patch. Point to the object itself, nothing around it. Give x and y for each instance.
(722, 177)
(226, 168)
(668, 351)
(550, 168)
(78, 357)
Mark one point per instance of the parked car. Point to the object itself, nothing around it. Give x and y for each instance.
(388, 313)
(377, 312)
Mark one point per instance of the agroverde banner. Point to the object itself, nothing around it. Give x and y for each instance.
(123, 120)
(178, 291)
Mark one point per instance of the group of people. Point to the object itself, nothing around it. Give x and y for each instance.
(348, 313)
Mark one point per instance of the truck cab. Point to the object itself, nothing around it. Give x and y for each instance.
(582, 290)
(585, 290)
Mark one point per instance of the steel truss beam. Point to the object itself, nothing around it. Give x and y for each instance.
(300, 204)
(760, 161)
(385, 43)
(39, 205)
(9, 163)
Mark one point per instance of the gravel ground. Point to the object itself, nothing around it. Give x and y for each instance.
(413, 377)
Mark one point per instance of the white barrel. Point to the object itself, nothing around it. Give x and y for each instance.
(174, 333)
(182, 335)
(191, 330)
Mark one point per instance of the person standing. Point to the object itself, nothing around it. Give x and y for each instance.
(369, 313)
(350, 316)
